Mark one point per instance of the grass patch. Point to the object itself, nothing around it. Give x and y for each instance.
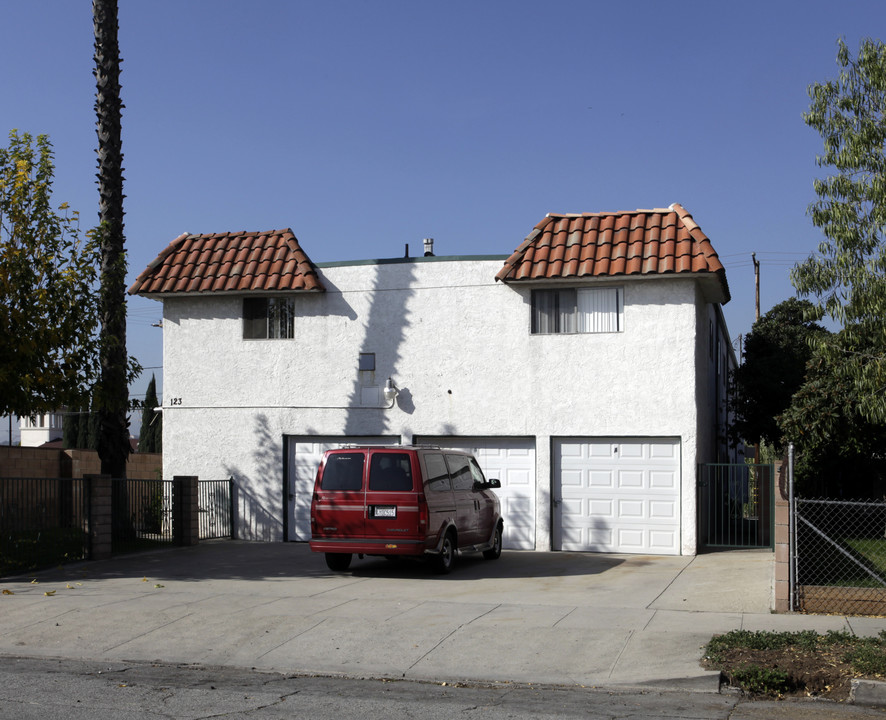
(871, 550)
(777, 664)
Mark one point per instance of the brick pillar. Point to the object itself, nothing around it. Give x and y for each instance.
(185, 528)
(782, 539)
(100, 516)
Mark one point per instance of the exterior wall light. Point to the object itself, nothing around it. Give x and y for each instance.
(390, 392)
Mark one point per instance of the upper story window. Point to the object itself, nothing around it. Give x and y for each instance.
(268, 317)
(577, 310)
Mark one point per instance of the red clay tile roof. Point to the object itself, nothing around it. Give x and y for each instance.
(639, 242)
(229, 262)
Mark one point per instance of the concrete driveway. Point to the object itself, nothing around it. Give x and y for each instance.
(561, 618)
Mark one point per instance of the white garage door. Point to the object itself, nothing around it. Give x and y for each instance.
(617, 495)
(305, 453)
(512, 461)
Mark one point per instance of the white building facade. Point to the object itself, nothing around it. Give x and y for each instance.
(593, 399)
(40, 429)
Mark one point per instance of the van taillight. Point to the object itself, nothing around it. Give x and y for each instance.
(422, 513)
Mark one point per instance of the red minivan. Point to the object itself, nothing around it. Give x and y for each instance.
(400, 500)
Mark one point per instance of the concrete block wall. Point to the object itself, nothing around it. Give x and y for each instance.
(30, 462)
(38, 462)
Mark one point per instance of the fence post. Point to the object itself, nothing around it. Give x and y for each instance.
(101, 519)
(185, 510)
(793, 527)
(782, 541)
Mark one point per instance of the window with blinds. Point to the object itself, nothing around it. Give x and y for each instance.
(577, 310)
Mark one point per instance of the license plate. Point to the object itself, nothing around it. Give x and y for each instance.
(384, 511)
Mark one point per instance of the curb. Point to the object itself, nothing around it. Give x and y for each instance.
(870, 693)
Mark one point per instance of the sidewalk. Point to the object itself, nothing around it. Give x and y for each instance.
(553, 618)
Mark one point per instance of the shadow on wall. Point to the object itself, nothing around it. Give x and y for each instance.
(385, 328)
(258, 496)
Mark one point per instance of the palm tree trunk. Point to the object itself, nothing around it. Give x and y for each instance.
(113, 445)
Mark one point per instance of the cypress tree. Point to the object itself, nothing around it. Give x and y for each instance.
(150, 437)
(70, 429)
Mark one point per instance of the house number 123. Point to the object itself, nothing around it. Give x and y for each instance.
(175, 401)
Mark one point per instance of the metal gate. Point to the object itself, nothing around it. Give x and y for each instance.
(736, 505)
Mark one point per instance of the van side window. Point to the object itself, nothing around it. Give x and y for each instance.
(477, 472)
(343, 471)
(437, 474)
(390, 472)
(460, 471)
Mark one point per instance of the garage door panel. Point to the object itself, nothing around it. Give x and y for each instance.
(662, 510)
(572, 478)
(631, 510)
(631, 451)
(515, 477)
(600, 508)
(631, 539)
(630, 479)
(617, 495)
(665, 451)
(600, 479)
(512, 461)
(662, 480)
(662, 540)
(573, 507)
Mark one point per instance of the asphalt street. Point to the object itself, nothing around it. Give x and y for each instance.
(37, 689)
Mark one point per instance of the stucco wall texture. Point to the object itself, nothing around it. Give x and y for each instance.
(458, 346)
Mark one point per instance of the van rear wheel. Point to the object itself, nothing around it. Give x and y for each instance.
(443, 562)
(339, 562)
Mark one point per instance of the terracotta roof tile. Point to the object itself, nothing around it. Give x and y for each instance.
(639, 242)
(230, 262)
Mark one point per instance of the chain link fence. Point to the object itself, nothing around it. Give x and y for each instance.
(840, 556)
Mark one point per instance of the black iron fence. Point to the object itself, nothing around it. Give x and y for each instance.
(840, 556)
(43, 522)
(216, 509)
(141, 514)
(736, 505)
(46, 521)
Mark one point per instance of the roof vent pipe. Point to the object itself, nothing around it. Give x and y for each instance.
(407, 250)
(429, 247)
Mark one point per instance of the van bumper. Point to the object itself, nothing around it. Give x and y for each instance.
(394, 546)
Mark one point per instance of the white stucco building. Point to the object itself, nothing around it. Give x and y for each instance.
(587, 372)
(40, 429)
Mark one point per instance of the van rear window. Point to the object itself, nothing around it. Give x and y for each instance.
(343, 471)
(390, 472)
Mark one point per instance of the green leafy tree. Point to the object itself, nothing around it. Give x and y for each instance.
(847, 277)
(112, 393)
(838, 450)
(49, 353)
(150, 439)
(775, 355)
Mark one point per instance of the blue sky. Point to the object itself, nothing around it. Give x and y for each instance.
(364, 126)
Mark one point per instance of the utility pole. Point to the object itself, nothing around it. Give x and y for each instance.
(756, 284)
(757, 319)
